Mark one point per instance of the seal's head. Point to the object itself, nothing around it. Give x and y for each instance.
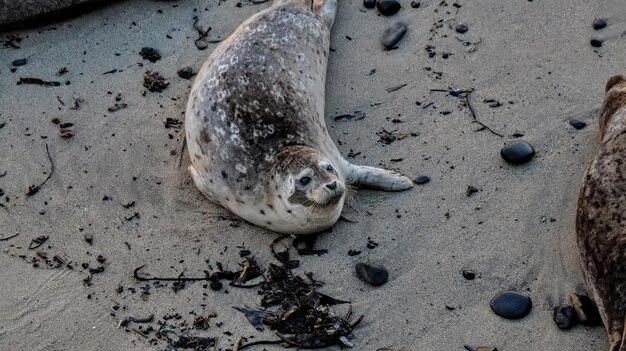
(614, 100)
(309, 184)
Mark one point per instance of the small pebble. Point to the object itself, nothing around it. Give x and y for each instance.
(517, 152)
(511, 304)
(462, 28)
(393, 34)
(201, 44)
(369, 4)
(186, 72)
(421, 180)
(89, 239)
(599, 23)
(415, 4)
(388, 7)
(20, 62)
(577, 124)
(469, 274)
(565, 316)
(372, 274)
(596, 43)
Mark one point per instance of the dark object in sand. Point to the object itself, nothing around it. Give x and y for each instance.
(117, 107)
(38, 241)
(393, 34)
(596, 43)
(577, 124)
(372, 274)
(38, 81)
(154, 81)
(388, 7)
(186, 72)
(517, 152)
(201, 44)
(599, 23)
(150, 54)
(20, 62)
(469, 274)
(31, 12)
(421, 180)
(511, 304)
(462, 28)
(586, 310)
(565, 316)
(369, 4)
(415, 4)
(33, 189)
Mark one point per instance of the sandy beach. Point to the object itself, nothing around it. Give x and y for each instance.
(516, 232)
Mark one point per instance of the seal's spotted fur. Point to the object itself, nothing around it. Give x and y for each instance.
(601, 217)
(255, 124)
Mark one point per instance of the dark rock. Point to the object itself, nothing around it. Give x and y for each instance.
(517, 152)
(372, 274)
(565, 316)
(370, 4)
(421, 180)
(201, 44)
(388, 7)
(486, 348)
(599, 23)
(20, 62)
(471, 190)
(511, 304)
(89, 239)
(14, 12)
(415, 4)
(186, 72)
(577, 124)
(469, 274)
(150, 54)
(216, 285)
(462, 28)
(596, 43)
(393, 34)
(586, 310)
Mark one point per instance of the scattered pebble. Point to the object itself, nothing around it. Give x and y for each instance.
(388, 7)
(186, 72)
(462, 28)
(154, 81)
(369, 4)
(511, 304)
(150, 54)
(393, 34)
(565, 316)
(577, 124)
(469, 274)
(375, 275)
(517, 152)
(599, 23)
(596, 43)
(89, 239)
(420, 180)
(415, 4)
(201, 44)
(20, 62)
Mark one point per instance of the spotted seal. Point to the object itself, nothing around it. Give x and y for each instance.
(255, 125)
(601, 216)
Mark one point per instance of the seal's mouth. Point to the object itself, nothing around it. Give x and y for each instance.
(331, 200)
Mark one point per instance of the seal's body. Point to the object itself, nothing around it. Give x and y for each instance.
(255, 125)
(601, 216)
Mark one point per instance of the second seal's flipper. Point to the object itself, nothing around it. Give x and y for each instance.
(377, 178)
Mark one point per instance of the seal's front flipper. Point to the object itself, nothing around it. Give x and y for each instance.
(377, 178)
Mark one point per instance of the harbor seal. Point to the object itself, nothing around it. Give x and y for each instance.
(255, 125)
(601, 216)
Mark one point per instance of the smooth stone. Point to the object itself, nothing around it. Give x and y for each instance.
(415, 4)
(393, 34)
(565, 316)
(372, 274)
(462, 28)
(421, 180)
(599, 23)
(577, 124)
(517, 152)
(511, 304)
(596, 43)
(186, 72)
(369, 4)
(388, 7)
(201, 44)
(20, 62)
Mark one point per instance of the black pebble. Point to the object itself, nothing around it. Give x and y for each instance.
(372, 274)
(565, 316)
(517, 152)
(186, 72)
(596, 43)
(393, 34)
(576, 123)
(89, 239)
(415, 4)
(201, 44)
(20, 62)
(469, 274)
(370, 4)
(462, 28)
(388, 7)
(421, 180)
(216, 285)
(511, 304)
(599, 23)
(150, 54)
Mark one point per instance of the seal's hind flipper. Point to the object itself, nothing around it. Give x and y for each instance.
(326, 9)
(377, 178)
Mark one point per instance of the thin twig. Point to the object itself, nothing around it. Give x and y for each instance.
(467, 94)
(142, 279)
(489, 129)
(182, 151)
(9, 237)
(474, 118)
(33, 189)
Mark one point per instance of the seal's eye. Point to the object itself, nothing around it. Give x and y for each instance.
(329, 169)
(305, 180)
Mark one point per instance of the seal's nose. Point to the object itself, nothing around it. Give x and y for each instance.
(332, 186)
